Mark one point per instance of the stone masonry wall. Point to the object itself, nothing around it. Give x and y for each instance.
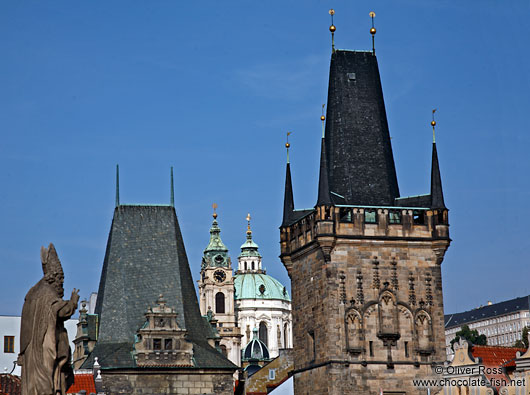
(199, 382)
(357, 278)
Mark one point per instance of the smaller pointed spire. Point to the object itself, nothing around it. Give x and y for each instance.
(332, 29)
(172, 193)
(437, 196)
(288, 200)
(373, 31)
(324, 197)
(117, 185)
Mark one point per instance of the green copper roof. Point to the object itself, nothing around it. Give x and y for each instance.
(249, 248)
(215, 253)
(259, 286)
(215, 244)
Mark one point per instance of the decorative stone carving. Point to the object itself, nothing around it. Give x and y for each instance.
(160, 341)
(45, 353)
(360, 293)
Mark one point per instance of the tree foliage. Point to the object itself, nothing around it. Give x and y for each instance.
(523, 341)
(471, 336)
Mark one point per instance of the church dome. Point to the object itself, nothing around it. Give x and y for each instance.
(259, 286)
(256, 349)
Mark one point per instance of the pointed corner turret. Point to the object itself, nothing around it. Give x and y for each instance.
(288, 199)
(437, 195)
(324, 197)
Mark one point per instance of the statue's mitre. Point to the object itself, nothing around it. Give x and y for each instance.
(50, 260)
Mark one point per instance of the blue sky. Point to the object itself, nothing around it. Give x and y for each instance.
(212, 88)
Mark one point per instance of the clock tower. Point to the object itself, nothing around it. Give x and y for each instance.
(216, 290)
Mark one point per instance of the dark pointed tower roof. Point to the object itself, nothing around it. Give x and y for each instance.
(288, 199)
(324, 197)
(359, 154)
(145, 257)
(437, 195)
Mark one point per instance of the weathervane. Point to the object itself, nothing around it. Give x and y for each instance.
(323, 118)
(214, 206)
(373, 31)
(287, 145)
(332, 29)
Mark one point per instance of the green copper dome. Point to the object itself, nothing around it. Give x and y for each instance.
(259, 286)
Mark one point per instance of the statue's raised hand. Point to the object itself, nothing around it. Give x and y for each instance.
(75, 296)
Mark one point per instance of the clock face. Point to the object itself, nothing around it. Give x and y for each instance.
(219, 276)
(219, 259)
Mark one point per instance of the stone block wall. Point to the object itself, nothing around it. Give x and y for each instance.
(153, 382)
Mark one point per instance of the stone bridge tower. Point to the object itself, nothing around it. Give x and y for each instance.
(365, 263)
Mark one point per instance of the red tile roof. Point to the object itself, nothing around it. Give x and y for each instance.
(496, 356)
(83, 381)
(10, 384)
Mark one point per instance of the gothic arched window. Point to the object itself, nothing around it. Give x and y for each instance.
(224, 350)
(220, 303)
(263, 335)
(285, 336)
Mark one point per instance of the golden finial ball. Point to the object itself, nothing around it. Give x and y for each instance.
(322, 118)
(287, 145)
(214, 215)
(332, 28)
(372, 30)
(433, 123)
(332, 12)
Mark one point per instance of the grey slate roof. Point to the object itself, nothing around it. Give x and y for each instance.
(145, 257)
(358, 150)
(485, 312)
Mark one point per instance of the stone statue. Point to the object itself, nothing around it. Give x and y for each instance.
(45, 354)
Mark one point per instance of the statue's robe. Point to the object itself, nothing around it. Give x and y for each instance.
(44, 348)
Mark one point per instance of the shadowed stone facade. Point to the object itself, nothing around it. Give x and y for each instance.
(364, 263)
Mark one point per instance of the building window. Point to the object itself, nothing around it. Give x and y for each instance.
(272, 374)
(418, 217)
(220, 303)
(224, 350)
(371, 346)
(157, 344)
(285, 336)
(407, 349)
(245, 265)
(263, 333)
(168, 344)
(311, 346)
(9, 344)
(394, 217)
(370, 216)
(253, 265)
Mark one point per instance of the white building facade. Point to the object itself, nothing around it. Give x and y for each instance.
(502, 323)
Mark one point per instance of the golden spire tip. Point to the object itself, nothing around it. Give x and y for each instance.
(332, 29)
(214, 215)
(433, 124)
(373, 31)
(248, 224)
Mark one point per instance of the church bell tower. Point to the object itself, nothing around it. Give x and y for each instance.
(216, 290)
(364, 263)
